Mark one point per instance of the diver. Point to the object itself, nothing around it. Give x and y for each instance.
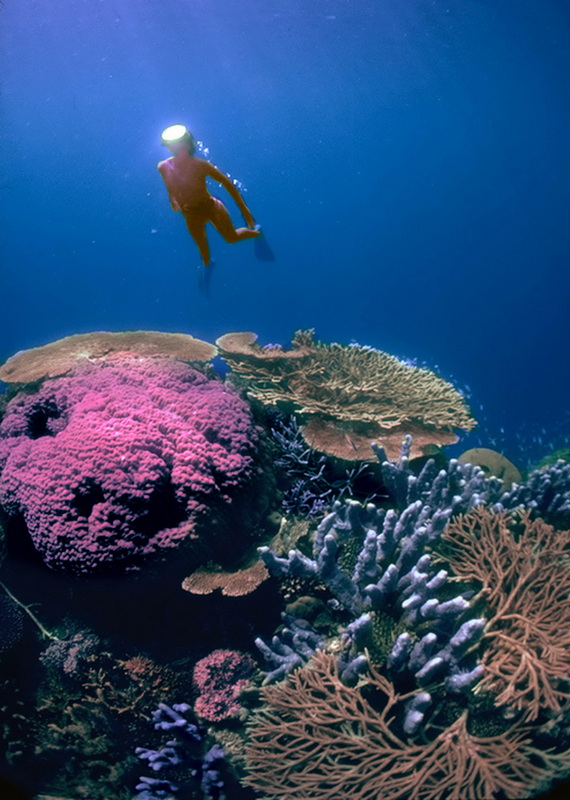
(185, 179)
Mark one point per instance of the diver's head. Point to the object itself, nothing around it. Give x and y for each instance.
(178, 139)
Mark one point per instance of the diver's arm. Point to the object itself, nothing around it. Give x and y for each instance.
(218, 176)
(162, 168)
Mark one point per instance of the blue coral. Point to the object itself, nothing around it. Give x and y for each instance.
(181, 751)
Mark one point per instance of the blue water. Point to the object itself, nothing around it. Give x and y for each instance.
(408, 160)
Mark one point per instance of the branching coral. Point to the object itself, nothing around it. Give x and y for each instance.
(350, 395)
(83, 727)
(320, 740)
(372, 561)
(523, 568)
(184, 753)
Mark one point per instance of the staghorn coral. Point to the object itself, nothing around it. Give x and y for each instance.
(62, 356)
(348, 396)
(318, 739)
(372, 560)
(120, 461)
(523, 569)
(546, 492)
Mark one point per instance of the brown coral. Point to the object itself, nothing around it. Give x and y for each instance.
(232, 584)
(61, 356)
(320, 740)
(523, 567)
(492, 463)
(348, 396)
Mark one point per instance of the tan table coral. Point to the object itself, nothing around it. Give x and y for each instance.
(59, 357)
(347, 396)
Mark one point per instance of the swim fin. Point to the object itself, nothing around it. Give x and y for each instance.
(204, 277)
(261, 248)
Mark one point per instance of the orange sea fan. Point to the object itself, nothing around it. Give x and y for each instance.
(318, 739)
(523, 566)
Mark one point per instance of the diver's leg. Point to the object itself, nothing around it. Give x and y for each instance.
(222, 222)
(197, 230)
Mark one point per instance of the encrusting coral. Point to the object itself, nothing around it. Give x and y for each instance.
(318, 739)
(232, 584)
(348, 396)
(219, 678)
(522, 567)
(63, 355)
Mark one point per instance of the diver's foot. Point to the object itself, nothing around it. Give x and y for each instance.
(258, 229)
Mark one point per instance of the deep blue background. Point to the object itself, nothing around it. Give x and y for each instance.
(408, 160)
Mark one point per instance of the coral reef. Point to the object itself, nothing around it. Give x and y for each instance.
(220, 678)
(318, 739)
(449, 674)
(62, 356)
(522, 569)
(71, 654)
(371, 561)
(348, 396)
(413, 614)
(118, 461)
(83, 723)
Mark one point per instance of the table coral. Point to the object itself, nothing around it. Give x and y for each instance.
(64, 355)
(348, 396)
(118, 461)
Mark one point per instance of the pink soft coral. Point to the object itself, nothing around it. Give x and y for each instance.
(118, 460)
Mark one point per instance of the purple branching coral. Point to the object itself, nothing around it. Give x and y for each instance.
(194, 769)
(377, 563)
(119, 460)
(392, 572)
